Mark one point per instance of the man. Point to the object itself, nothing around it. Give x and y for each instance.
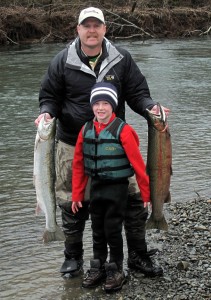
(64, 94)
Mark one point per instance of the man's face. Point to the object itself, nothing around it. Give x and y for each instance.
(91, 33)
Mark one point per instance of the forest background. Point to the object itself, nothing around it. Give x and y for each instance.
(45, 21)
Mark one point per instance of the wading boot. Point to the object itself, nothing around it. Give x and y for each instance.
(94, 275)
(71, 266)
(141, 261)
(115, 277)
(73, 259)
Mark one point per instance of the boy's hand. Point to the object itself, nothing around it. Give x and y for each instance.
(76, 206)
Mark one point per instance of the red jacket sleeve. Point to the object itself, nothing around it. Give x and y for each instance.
(130, 143)
(79, 178)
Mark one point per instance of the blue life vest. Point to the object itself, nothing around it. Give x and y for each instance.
(104, 155)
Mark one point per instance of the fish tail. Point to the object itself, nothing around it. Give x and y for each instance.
(168, 198)
(57, 235)
(153, 224)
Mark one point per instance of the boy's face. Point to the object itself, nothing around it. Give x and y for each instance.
(102, 110)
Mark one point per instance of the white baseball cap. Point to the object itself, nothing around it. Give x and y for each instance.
(91, 12)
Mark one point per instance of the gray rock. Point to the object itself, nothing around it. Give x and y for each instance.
(184, 253)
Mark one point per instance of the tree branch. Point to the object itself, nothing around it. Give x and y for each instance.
(4, 33)
(131, 24)
(207, 31)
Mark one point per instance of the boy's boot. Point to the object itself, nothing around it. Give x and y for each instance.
(94, 275)
(115, 277)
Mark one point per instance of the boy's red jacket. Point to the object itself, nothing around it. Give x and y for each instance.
(130, 143)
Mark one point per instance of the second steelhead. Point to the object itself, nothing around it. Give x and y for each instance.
(159, 167)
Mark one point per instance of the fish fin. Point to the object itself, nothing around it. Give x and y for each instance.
(37, 139)
(49, 236)
(153, 224)
(38, 209)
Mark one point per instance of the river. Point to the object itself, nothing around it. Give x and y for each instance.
(179, 76)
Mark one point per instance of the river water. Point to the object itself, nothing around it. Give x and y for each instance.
(179, 76)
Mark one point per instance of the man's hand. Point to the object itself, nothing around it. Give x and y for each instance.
(156, 110)
(76, 206)
(37, 121)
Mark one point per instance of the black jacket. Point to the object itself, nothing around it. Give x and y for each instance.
(65, 88)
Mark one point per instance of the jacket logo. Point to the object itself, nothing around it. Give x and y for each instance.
(109, 77)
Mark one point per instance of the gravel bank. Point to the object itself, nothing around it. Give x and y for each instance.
(184, 253)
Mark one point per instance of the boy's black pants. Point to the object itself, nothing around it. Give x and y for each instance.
(108, 201)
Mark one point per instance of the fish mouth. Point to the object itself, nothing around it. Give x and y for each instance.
(45, 127)
(158, 119)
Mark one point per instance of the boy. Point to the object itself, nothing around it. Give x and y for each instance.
(107, 151)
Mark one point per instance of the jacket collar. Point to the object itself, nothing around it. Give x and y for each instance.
(81, 54)
(110, 56)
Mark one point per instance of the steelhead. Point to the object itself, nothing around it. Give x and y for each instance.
(44, 177)
(159, 167)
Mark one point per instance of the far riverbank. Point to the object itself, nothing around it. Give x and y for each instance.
(26, 25)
